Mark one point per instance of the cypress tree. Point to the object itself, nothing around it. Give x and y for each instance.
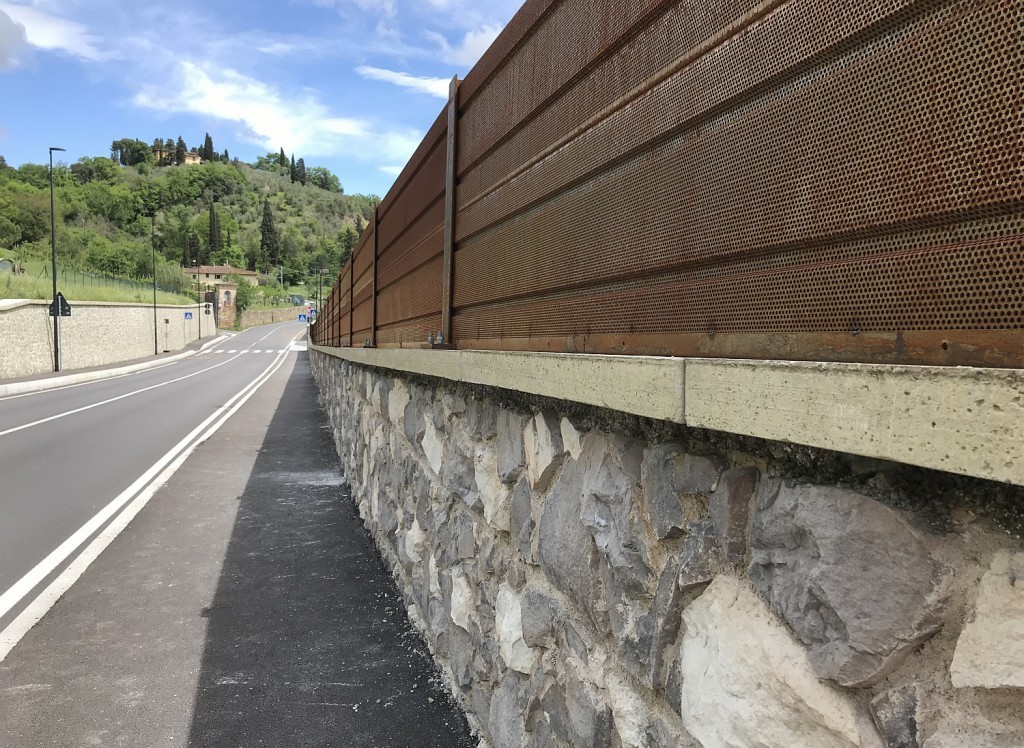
(282, 160)
(192, 253)
(300, 172)
(216, 241)
(208, 153)
(293, 168)
(269, 246)
(179, 151)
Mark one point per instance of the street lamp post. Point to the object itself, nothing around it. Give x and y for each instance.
(199, 303)
(53, 265)
(152, 242)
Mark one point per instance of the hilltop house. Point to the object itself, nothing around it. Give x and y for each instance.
(213, 275)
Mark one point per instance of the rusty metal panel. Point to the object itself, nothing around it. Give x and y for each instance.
(830, 158)
(411, 333)
(730, 178)
(424, 190)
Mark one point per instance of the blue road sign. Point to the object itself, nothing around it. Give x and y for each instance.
(302, 318)
(188, 315)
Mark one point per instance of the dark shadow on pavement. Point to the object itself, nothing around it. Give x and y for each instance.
(308, 643)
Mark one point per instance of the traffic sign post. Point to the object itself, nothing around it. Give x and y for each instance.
(60, 307)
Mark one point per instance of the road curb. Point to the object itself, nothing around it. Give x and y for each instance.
(39, 385)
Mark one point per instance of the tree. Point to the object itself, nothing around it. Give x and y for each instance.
(130, 152)
(179, 151)
(282, 160)
(300, 171)
(270, 246)
(245, 293)
(293, 172)
(320, 177)
(193, 252)
(216, 242)
(348, 239)
(207, 153)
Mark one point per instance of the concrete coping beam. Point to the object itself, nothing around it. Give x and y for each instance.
(961, 420)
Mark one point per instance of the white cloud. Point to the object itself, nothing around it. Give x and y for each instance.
(266, 117)
(55, 34)
(271, 120)
(433, 86)
(12, 41)
(469, 50)
(392, 170)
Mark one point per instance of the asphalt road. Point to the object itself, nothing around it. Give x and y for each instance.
(243, 605)
(65, 454)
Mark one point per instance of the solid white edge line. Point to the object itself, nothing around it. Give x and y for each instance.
(112, 399)
(39, 386)
(34, 612)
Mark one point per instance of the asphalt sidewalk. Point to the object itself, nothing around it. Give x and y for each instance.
(244, 606)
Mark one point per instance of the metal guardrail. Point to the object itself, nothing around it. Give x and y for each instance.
(728, 179)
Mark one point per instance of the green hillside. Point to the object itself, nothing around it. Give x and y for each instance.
(269, 216)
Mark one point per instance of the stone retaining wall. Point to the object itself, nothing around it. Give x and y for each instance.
(586, 578)
(256, 317)
(96, 334)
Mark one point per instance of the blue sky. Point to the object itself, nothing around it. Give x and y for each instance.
(347, 84)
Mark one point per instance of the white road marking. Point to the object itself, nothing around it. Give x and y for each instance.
(139, 493)
(233, 350)
(112, 399)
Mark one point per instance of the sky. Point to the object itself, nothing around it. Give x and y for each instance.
(351, 85)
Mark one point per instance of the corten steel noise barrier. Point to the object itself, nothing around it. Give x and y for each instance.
(729, 179)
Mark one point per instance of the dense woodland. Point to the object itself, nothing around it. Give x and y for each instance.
(271, 216)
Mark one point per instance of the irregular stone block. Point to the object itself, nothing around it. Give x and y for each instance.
(697, 474)
(849, 575)
(413, 422)
(540, 615)
(494, 494)
(565, 547)
(608, 512)
(463, 603)
(542, 442)
(895, 715)
(699, 551)
(746, 682)
(482, 419)
(570, 438)
(433, 446)
(990, 650)
(507, 718)
(521, 517)
(664, 509)
(398, 400)
(515, 652)
(730, 510)
(509, 447)
(576, 716)
(463, 541)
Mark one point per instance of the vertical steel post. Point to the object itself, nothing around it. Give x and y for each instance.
(373, 296)
(152, 244)
(449, 215)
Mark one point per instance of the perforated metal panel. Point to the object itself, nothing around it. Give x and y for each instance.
(729, 178)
